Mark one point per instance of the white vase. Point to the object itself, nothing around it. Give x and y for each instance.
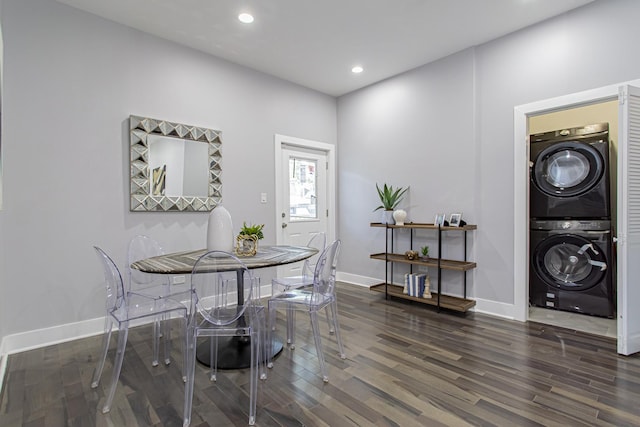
(220, 230)
(399, 216)
(387, 217)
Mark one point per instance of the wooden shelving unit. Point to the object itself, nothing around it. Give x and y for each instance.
(445, 264)
(446, 301)
(438, 299)
(426, 226)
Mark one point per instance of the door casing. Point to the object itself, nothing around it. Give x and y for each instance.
(521, 180)
(282, 141)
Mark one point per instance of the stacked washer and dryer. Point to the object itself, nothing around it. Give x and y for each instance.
(570, 226)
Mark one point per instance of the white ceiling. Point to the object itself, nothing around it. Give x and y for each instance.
(315, 43)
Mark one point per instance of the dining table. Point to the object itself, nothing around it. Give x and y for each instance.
(233, 352)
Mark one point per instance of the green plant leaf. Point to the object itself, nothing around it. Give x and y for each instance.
(389, 197)
(255, 230)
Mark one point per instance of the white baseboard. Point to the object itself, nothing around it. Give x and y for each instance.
(29, 340)
(3, 368)
(630, 346)
(265, 290)
(355, 279)
(493, 308)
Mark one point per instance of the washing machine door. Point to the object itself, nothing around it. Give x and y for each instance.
(567, 169)
(569, 262)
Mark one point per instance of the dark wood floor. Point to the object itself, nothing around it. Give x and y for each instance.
(407, 365)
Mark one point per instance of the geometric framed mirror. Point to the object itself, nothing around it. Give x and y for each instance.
(174, 167)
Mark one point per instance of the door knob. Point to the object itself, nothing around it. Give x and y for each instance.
(284, 225)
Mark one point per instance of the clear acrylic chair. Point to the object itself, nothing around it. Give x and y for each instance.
(321, 295)
(279, 284)
(282, 284)
(153, 286)
(223, 305)
(121, 311)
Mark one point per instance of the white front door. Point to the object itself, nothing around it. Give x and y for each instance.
(304, 197)
(628, 239)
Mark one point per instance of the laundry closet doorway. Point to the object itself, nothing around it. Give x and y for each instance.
(556, 242)
(628, 319)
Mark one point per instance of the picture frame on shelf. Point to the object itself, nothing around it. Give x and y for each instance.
(454, 220)
(439, 220)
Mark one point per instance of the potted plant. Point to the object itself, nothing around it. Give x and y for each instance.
(425, 252)
(247, 240)
(389, 199)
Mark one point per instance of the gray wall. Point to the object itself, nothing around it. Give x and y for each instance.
(421, 128)
(2, 257)
(71, 81)
(445, 129)
(413, 130)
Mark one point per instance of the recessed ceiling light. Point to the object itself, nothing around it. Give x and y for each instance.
(245, 18)
(357, 69)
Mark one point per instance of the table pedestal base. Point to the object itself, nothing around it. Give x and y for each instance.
(233, 352)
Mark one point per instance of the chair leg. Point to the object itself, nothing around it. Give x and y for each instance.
(165, 331)
(166, 321)
(266, 347)
(273, 292)
(185, 347)
(157, 332)
(256, 343)
(336, 327)
(329, 322)
(291, 327)
(123, 332)
(190, 361)
(213, 360)
(108, 326)
(318, 341)
(256, 286)
(270, 330)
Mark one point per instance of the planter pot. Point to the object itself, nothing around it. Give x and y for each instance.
(387, 217)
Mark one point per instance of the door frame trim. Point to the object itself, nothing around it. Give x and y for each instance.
(330, 150)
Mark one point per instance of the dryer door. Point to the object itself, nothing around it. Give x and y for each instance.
(567, 169)
(570, 262)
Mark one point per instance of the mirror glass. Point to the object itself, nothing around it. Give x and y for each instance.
(174, 167)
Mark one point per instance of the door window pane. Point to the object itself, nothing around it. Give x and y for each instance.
(303, 199)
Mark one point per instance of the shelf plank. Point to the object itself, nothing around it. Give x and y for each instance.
(426, 226)
(445, 264)
(446, 301)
